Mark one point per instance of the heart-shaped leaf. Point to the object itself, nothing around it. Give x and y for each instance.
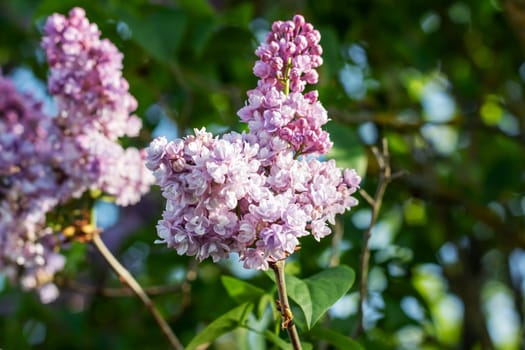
(315, 294)
(326, 287)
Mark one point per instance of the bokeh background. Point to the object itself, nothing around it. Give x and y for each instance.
(442, 81)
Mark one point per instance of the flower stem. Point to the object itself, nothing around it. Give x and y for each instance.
(284, 305)
(287, 76)
(126, 278)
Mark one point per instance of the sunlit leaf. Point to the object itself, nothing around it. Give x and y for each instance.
(298, 291)
(337, 339)
(241, 291)
(315, 294)
(326, 287)
(274, 338)
(224, 324)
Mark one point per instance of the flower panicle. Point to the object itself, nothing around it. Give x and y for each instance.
(278, 111)
(257, 193)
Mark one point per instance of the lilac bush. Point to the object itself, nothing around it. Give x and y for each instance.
(258, 192)
(48, 161)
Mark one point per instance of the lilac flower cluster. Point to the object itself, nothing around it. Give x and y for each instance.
(86, 77)
(257, 193)
(46, 161)
(28, 184)
(95, 109)
(277, 109)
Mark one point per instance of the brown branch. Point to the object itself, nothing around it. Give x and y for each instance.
(368, 198)
(383, 160)
(392, 121)
(510, 236)
(515, 12)
(283, 304)
(118, 292)
(191, 275)
(126, 278)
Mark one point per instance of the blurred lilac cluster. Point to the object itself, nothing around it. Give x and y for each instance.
(46, 161)
(257, 193)
(85, 77)
(30, 182)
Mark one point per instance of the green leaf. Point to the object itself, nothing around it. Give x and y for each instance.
(197, 7)
(240, 15)
(265, 301)
(327, 287)
(274, 338)
(332, 58)
(282, 344)
(159, 33)
(224, 324)
(75, 258)
(299, 292)
(241, 291)
(317, 293)
(347, 150)
(202, 30)
(336, 339)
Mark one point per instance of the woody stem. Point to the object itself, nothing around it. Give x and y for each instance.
(286, 312)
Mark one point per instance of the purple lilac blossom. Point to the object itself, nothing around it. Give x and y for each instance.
(257, 193)
(47, 161)
(86, 77)
(28, 184)
(277, 109)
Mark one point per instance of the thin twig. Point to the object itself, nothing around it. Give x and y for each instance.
(391, 121)
(383, 161)
(368, 198)
(284, 305)
(127, 278)
(119, 292)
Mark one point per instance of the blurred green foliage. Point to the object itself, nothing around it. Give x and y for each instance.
(442, 81)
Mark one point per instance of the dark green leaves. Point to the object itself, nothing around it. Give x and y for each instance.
(159, 33)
